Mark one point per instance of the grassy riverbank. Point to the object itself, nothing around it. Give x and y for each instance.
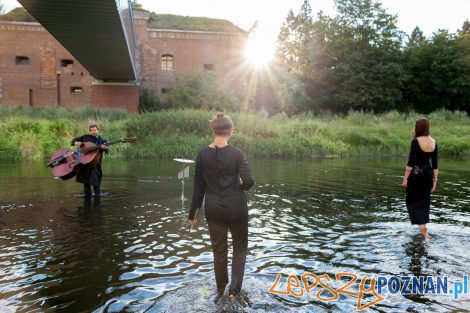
(36, 133)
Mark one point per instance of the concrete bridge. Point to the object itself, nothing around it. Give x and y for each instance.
(98, 33)
(99, 53)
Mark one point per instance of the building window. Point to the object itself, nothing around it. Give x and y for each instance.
(209, 67)
(66, 63)
(21, 60)
(167, 62)
(76, 90)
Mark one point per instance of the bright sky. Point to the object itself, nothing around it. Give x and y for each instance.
(429, 15)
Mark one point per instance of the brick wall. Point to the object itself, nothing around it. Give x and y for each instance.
(35, 70)
(199, 51)
(32, 69)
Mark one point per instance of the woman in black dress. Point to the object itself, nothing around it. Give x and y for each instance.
(421, 176)
(222, 174)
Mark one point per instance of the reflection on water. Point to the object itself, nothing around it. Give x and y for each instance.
(130, 250)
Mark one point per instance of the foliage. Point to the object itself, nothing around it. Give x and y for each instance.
(349, 61)
(135, 5)
(170, 133)
(290, 96)
(17, 15)
(437, 72)
(51, 113)
(295, 39)
(148, 101)
(171, 21)
(355, 60)
(169, 122)
(201, 91)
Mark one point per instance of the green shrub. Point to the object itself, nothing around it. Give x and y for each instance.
(33, 134)
(148, 101)
(205, 91)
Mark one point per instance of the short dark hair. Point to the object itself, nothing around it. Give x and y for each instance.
(93, 125)
(421, 127)
(221, 124)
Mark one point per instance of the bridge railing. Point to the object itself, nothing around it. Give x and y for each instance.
(127, 20)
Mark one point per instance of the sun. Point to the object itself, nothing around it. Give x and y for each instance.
(259, 50)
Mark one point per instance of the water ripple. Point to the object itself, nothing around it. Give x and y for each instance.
(131, 251)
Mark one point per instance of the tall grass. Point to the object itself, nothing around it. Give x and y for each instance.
(50, 113)
(37, 133)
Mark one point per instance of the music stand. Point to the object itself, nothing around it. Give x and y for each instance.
(183, 173)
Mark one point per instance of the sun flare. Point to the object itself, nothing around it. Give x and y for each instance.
(259, 50)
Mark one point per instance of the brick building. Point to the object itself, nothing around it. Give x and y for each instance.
(35, 70)
(166, 52)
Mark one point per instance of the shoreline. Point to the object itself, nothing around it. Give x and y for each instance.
(34, 134)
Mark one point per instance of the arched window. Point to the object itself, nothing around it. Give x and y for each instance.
(167, 62)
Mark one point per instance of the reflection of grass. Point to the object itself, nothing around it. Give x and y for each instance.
(36, 133)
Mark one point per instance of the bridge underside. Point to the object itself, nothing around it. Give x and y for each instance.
(97, 33)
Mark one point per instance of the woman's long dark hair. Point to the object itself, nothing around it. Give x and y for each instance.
(422, 127)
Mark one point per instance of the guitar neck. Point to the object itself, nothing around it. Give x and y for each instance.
(99, 146)
(95, 147)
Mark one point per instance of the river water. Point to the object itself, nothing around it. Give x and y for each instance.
(130, 250)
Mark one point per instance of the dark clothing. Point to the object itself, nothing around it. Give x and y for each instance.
(87, 189)
(90, 176)
(218, 234)
(420, 182)
(217, 177)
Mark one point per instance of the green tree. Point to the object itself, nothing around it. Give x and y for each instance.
(301, 45)
(294, 39)
(148, 101)
(201, 91)
(284, 94)
(291, 97)
(369, 24)
(417, 37)
(437, 72)
(350, 61)
(465, 28)
(365, 42)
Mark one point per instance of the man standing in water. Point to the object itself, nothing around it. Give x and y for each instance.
(89, 176)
